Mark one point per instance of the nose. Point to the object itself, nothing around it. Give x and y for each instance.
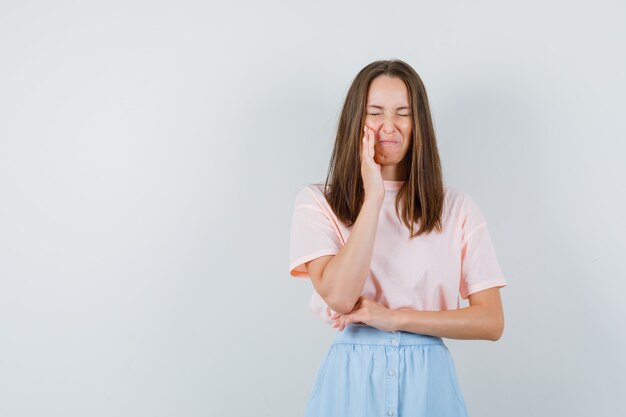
(388, 125)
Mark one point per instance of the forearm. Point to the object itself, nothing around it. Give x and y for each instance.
(344, 276)
(473, 322)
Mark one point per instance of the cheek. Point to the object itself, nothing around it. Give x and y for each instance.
(406, 133)
(373, 122)
(407, 129)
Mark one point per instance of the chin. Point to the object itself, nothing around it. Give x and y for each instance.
(388, 159)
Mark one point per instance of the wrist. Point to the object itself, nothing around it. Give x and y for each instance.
(375, 202)
(398, 319)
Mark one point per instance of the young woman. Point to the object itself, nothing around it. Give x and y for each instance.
(390, 249)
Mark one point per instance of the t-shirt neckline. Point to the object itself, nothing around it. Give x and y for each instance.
(393, 185)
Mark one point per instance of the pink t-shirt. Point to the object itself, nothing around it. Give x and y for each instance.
(429, 272)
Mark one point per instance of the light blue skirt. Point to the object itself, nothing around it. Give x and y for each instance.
(368, 372)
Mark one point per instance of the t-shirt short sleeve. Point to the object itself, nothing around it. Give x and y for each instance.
(313, 231)
(480, 268)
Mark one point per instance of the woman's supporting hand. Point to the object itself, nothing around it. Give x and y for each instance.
(482, 320)
(367, 311)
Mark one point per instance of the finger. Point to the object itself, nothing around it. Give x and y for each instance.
(346, 322)
(364, 143)
(327, 311)
(342, 323)
(372, 142)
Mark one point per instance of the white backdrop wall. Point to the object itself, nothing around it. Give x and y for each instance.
(149, 157)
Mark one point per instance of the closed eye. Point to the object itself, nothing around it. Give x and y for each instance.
(397, 114)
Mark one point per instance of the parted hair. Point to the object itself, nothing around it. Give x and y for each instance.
(420, 200)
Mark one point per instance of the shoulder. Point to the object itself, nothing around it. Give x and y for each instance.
(311, 194)
(456, 197)
(466, 211)
(462, 206)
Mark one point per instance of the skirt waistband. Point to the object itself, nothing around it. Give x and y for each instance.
(362, 334)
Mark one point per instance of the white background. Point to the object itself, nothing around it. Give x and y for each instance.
(149, 157)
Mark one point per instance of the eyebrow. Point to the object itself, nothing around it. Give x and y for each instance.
(397, 108)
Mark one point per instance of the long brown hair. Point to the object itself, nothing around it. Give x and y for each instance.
(422, 194)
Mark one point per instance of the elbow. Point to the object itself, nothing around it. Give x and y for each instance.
(341, 306)
(337, 300)
(496, 329)
(344, 308)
